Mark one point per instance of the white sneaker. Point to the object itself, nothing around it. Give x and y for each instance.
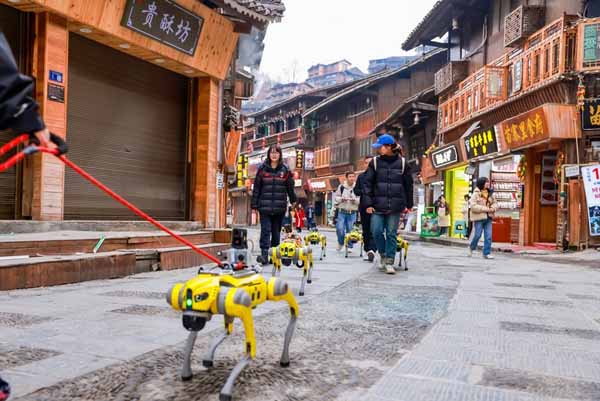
(470, 253)
(370, 256)
(389, 269)
(489, 257)
(338, 248)
(366, 258)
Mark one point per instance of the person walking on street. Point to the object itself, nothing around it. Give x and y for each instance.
(442, 209)
(310, 216)
(388, 192)
(365, 218)
(466, 209)
(273, 185)
(299, 218)
(346, 206)
(483, 206)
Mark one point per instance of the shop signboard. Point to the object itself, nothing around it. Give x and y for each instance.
(591, 182)
(318, 186)
(527, 129)
(590, 115)
(444, 157)
(309, 160)
(164, 21)
(481, 143)
(591, 49)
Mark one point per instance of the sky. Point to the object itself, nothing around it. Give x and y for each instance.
(324, 31)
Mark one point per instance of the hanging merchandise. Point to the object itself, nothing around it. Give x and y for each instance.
(560, 160)
(580, 94)
(522, 169)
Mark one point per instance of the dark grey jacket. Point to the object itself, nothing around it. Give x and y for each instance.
(272, 187)
(388, 187)
(18, 110)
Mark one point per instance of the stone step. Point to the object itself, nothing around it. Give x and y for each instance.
(33, 272)
(70, 242)
(28, 226)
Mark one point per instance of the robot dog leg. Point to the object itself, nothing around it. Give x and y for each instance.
(288, 252)
(304, 260)
(402, 246)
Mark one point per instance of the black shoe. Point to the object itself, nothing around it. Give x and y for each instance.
(263, 259)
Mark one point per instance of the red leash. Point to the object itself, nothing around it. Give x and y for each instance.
(31, 149)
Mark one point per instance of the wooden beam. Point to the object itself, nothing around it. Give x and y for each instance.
(469, 7)
(435, 44)
(424, 106)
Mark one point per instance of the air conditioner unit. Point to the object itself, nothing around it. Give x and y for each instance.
(522, 23)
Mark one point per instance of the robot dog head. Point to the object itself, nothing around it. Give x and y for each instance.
(287, 250)
(197, 294)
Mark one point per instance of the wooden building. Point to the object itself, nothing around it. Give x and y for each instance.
(280, 124)
(508, 110)
(344, 124)
(136, 87)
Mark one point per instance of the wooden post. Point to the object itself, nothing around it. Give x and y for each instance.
(527, 220)
(204, 151)
(51, 53)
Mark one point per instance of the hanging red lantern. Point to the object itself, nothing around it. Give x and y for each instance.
(299, 135)
(250, 147)
(279, 138)
(264, 142)
(580, 94)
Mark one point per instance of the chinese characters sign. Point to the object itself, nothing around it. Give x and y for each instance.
(526, 129)
(481, 143)
(164, 21)
(590, 116)
(445, 156)
(591, 181)
(591, 44)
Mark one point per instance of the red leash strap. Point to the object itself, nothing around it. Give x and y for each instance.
(34, 149)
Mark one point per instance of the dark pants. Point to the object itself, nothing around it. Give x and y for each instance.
(270, 230)
(365, 221)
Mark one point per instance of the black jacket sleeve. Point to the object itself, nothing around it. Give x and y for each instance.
(256, 190)
(358, 187)
(290, 189)
(408, 187)
(368, 186)
(18, 110)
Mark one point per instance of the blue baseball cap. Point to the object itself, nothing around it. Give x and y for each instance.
(385, 139)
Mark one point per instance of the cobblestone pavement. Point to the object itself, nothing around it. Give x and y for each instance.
(451, 328)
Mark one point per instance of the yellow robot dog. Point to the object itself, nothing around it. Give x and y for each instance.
(291, 251)
(316, 238)
(353, 237)
(232, 295)
(402, 247)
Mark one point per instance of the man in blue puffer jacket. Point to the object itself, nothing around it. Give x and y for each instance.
(388, 192)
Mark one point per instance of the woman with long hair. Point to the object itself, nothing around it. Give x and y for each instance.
(483, 206)
(273, 185)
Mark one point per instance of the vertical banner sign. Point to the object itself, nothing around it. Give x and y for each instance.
(299, 159)
(590, 114)
(591, 181)
(591, 52)
(164, 21)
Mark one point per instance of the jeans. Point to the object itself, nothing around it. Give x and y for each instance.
(483, 227)
(344, 224)
(369, 242)
(270, 230)
(385, 228)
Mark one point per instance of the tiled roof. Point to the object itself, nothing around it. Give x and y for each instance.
(412, 40)
(369, 81)
(261, 10)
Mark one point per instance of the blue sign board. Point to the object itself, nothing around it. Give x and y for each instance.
(56, 76)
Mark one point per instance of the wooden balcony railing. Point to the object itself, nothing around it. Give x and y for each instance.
(545, 56)
(322, 157)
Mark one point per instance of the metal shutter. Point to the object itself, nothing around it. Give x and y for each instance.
(9, 25)
(127, 124)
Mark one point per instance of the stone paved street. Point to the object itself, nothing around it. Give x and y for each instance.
(451, 328)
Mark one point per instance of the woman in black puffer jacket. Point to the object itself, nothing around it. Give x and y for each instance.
(272, 187)
(387, 192)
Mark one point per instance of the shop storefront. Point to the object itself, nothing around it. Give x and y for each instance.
(544, 139)
(487, 158)
(322, 193)
(450, 160)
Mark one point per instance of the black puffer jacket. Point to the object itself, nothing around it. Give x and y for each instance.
(388, 187)
(17, 109)
(272, 187)
(359, 190)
